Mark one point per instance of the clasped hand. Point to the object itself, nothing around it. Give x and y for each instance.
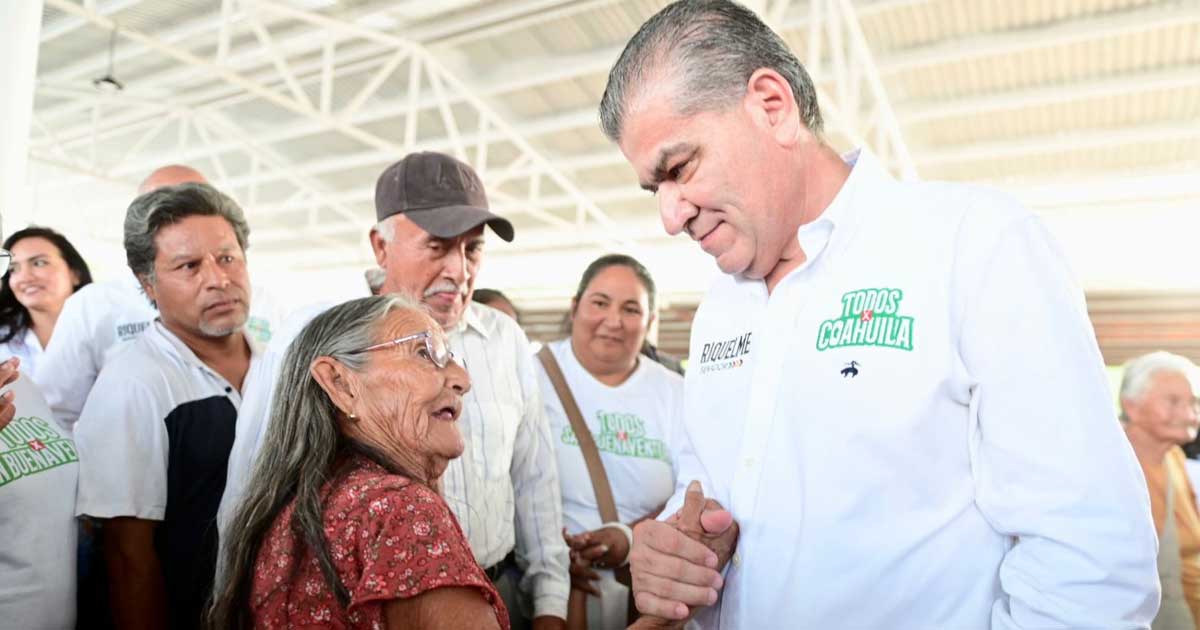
(677, 563)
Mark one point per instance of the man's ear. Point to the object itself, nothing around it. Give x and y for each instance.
(379, 246)
(338, 382)
(771, 103)
(148, 287)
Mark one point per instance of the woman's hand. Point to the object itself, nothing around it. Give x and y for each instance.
(604, 548)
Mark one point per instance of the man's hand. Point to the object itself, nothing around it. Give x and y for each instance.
(675, 564)
(9, 372)
(546, 622)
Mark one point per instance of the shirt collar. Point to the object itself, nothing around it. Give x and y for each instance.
(176, 345)
(471, 318)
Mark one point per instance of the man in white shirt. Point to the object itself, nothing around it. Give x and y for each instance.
(155, 432)
(504, 490)
(894, 387)
(103, 316)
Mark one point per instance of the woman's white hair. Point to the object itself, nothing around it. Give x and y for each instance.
(1140, 373)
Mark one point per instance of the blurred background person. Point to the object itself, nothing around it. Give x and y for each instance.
(1159, 414)
(38, 473)
(631, 406)
(44, 271)
(343, 523)
(498, 301)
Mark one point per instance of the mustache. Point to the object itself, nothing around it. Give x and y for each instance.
(445, 286)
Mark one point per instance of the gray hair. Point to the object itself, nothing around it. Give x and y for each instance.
(168, 205)
(300, 451)
(1140, 373)
(386, 228)
(711, 47)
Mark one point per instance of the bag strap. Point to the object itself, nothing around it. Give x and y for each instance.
(587, 445)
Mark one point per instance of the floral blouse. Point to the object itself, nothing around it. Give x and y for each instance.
(388, 537)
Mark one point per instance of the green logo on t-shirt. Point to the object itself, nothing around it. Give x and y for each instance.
(622, 434)
(870, 317)
(30, 446)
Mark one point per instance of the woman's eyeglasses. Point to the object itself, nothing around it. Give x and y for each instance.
(434, 349)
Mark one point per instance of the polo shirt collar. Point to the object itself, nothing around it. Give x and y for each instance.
(471, 319)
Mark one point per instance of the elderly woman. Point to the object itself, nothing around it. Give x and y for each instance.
(1159, 413)
(632, 408)
(342, 524)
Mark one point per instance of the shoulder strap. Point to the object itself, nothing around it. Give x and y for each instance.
(587, 445)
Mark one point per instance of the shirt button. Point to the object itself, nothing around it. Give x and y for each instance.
(749, 462)
(228, 390)
(737, 559)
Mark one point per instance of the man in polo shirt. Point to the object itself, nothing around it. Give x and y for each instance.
(429, 240)
(105, 315)
(155, 433)
(894, 388)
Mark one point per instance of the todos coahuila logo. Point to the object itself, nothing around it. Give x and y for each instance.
(870, 317)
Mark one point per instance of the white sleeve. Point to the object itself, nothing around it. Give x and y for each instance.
(69, 366)
(684, 462)
(123, 448)
(1051, 465)
(538, 498)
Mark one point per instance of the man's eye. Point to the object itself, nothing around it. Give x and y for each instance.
(423, 352)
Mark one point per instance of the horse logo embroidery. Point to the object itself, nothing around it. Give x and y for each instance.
(850, 370)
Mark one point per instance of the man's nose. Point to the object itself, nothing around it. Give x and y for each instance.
(456, 266)
(214, 275)
(673, 208)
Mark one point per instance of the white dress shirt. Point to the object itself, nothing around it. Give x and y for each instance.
(100, 318)
(504, 489)
(914, 429)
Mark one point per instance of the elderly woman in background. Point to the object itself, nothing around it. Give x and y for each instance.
(1159, 413)
(44, 271)
(632, 407)
(342, 524)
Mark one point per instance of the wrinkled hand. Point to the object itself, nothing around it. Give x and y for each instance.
(9, 372)
(605, 548)
(676, 564)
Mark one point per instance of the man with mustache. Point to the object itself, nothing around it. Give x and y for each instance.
(894, 390)
(155, 433)
(429, 240)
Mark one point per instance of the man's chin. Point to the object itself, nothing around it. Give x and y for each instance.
(222, 327)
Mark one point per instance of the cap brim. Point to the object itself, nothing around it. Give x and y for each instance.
(453, 221)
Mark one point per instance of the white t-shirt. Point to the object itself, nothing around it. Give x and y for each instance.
(633, 425)
(914, 428)
(26, 347)
(38, 471)
(154, 440)
(99, 319)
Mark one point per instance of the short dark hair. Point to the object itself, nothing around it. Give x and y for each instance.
(712, 47)
(14, 317)
(169, 205)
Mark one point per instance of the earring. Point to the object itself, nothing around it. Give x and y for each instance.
(353, 418)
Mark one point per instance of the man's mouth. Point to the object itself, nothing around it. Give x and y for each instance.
(223, 305)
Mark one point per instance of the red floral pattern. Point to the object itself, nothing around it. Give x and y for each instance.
(388, 537)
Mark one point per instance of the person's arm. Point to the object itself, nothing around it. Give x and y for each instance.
(446, 608)
(538, 505)
(1052, 467)
(135, 581)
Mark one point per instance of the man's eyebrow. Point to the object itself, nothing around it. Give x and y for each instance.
(664, 158)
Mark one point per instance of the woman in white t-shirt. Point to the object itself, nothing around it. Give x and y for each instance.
(632, 407)
(44, 271)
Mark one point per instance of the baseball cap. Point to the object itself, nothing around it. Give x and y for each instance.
(440, 194)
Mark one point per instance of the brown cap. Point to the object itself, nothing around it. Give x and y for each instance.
(439, 193)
